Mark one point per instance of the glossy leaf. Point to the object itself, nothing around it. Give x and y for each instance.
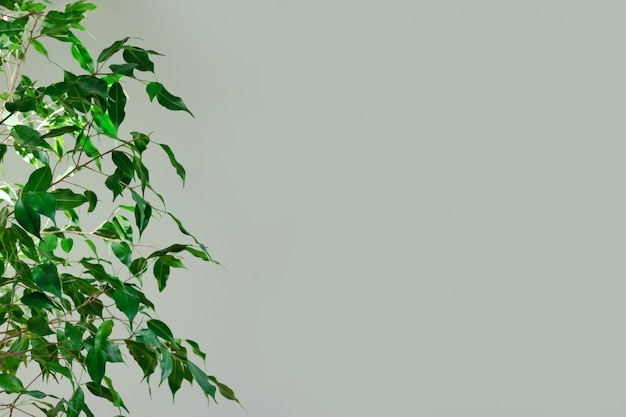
(165, 98)
(111, 50)
(161, 329)
(37, 299)
(10, 383)
(39, 180)
(47, 279)
(134, 55)
(67, 199)
(117, 103)
(41, 202)
(167, 365)
(161, 273)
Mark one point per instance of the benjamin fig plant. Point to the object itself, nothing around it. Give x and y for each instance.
(71, 299)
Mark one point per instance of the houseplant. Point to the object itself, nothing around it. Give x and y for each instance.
(71, 297)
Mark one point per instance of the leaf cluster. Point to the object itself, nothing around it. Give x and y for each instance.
(65, 306)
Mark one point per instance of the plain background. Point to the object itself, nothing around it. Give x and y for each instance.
(419, 204)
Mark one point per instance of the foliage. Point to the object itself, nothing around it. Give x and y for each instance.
(67, 315)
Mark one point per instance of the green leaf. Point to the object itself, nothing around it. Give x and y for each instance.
(145, 357)
(196, 349)
(124, 69)
(38, 299)
(39, 47)
(153, 89)
(27, 217)
(202, 379)
(60, 131)
(94, 86)
(127, 301)
(92, 198)
(36, 394)
(67, 199)
(123, 227)
(22, 106)
(82, 56)
(48, 243)
(107, 393)
(161, 273)
(139, 266)
(117, 103)
(10, 384)
(143, 212)
(225, 390)
(141, 141)
(113, 183)
(47, 279)
(104, 331)
(167, 365)
(171, 261)
(177, 247)
(175, 380)
(180, 170)
(39, 326)
(41, 202)
(135, 55)
(112, 352)
(123, 162)
(76, 404)
(165, 98)
(111, 50)
(161, 330)
(123, 252)
(67, 244)
(39, 180)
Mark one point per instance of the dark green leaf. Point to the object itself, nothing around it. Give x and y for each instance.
(140, 140)
(175, 380)
(145, 357)
(143, 212)
(41, 202)
(76, 404)
(92, 198)
(180, 170)
(39, 326)
(161, 273)
(117, 103)
(134, 55)
(202, 379)
(47, 279)
(225, 390)
(111, 50)
(113, 183)
(60, 131)
(123, 162)
(94, 86)
(127, 301)
(177, 247)
(123, 227)
(39, 180)
(161, 330)
(23, 105)
(165, 98)
(37, 299)
(10, 384)
(196, 349)
(27, 217)
(139, 266)
(96, 365)
(124, 69)
(67, 199)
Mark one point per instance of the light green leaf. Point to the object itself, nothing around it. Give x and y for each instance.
(166, 365)
(67, 244)
(196, 349)
(225, 390)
